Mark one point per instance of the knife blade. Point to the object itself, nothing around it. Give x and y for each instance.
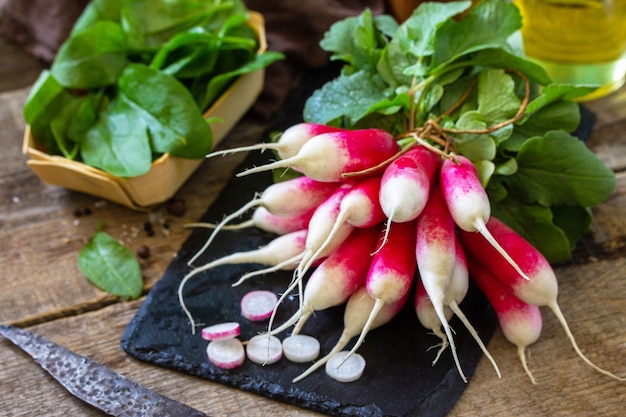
(94, 383)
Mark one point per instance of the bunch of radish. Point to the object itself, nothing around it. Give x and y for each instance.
(367, 221)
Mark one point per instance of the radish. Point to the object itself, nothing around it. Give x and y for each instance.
(456, 292)
(293, 197)
(390, 273)
(520, 322)
(328, 156)
(320, 226)
(226, 353)
(436, 259)
(428, 317)
(289, 143)
(258, 305)
(468, 202)
(287, 247)
(335, 279)
(221, 331)
(264, 350)
(345, 367)
(540, 290)
(264, 220)
(406, 184)
(301, 348)
(358, 309)
(359, 207)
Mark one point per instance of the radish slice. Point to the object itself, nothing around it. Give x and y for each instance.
(258, 305)
(301, 348)
(221, 331)
(345, 370)
(226, 353)
(264, 349)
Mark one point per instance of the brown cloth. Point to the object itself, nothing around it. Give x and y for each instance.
(294, 27)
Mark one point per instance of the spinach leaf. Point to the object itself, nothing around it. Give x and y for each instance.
(167, 108)
(111, 266)
(118, 143)
(94, 57)
(219, 83)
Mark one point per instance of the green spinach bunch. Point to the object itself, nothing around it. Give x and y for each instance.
(134, 77)
(501, 110)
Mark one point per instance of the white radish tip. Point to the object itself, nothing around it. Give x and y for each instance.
(301, 348)
(264, 349)
(343, 369)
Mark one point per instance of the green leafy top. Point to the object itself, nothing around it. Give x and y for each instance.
(501, 110)
(134, 77)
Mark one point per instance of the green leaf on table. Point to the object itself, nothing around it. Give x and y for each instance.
(94, 57)
(166, 107)
(559, 169)
(111, 266)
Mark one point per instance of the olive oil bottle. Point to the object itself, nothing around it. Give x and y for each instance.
(577, 41)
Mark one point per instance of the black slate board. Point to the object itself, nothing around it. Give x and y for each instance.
(399, 379)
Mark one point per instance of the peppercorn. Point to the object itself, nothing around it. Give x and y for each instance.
(143, 252)
(176, 207)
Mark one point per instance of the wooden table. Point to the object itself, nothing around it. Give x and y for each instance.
(42, 289)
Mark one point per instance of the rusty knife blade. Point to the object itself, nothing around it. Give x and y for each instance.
(94, 383)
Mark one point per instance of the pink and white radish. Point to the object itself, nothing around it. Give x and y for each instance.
(406, 184)
(436, 258)
(294, 197)
(289, 143)
(456, 292)
(359, 207)
(264, 220)
(427, 316)
(521, 323)
(542, 287)
(257, 305)
(328, 156)
(468, 202)
(335, 279)
(355, 318)
(390, 274)
(320, 226)
(283, 249)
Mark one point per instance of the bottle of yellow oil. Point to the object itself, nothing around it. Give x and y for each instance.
(577, 41)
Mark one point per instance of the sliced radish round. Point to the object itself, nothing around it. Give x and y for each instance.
(264, 349)
(258, 305)
(348, 371)
(226, 353)
(221, 331)
(301, 348)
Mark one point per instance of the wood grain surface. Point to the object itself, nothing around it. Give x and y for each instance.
(42, 289)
